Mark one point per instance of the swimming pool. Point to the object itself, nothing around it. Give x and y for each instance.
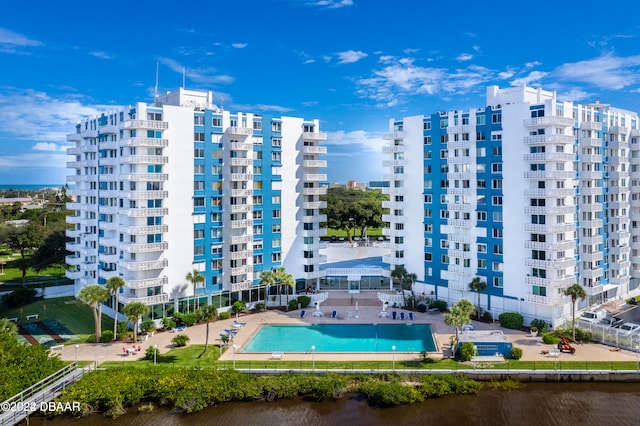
(343, 338)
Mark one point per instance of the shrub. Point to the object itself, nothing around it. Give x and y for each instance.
(148, 353)
(19, 297)
(293, 304)
(422, 307)
(122, 329)
(541, 325)
(180, 340)
(440, 304)
(224, 315)
(239, 306)
(106, 336)
(168, 323)
(486, 316)
(91, 338)
(424, 358)
(147, 326)
(581, 334)
(304, 301)
(516, 353)
(466, 351)
(259, 307)
(550, 339)
(187, 319)
(511, 320)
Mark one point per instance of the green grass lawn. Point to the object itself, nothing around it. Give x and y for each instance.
(15, 274)
(75, 316)
(188, 356)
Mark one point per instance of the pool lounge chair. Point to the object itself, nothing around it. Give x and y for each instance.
(394, 314)
(334, 314)
(303, 313)
(402, 316)
(411, 316)
(349, 314)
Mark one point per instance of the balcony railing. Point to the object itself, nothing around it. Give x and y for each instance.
(151, 142)
(314, 136)
(146, 124)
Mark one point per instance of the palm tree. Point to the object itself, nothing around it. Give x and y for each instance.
(114, 284)
(478, 285)
(134, 311)
(398, 273)
(195, 277)
(575, 291)
(407, 284)
(207, 313)
(457, 317)
(94, 295)
(286, 280)
(268, 279)
(466, 306)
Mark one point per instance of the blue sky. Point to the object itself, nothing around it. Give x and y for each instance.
(353, 64)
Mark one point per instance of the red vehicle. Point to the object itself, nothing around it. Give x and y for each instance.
(565, 346)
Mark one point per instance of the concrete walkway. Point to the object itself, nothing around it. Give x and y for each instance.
(367, 313)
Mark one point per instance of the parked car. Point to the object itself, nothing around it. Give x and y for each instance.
(334, 238)
(341, 239)
(468, 327)
(628, 328)
(611, 322)
(593, 316)
(356, 238)
(380, 238)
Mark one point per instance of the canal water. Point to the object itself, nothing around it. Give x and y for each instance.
(536, 404)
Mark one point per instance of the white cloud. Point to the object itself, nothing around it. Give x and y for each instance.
(533, 76)
(9, 38)
(101, 55)
(606, 72)
(573, 95)
(350, 56)
(204, 75)
(261, 107)
(356, 140)
(48, 146)
(410, 51)
(331, 4)
(309, 61)
(239, 45)
(464, 57)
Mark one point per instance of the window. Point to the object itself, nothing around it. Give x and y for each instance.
(198, 153)
(497, 249)
(497, 232)
(482, 216)
(496, 167)
(216, 122)
(198, 234)
(198, 136)
(198, 202)
(496, 118)
(198, 185)
(497, 282)
(481, 120)
(198, 250)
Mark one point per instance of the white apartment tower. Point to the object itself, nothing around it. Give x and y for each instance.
(529, 193)
(162, 189)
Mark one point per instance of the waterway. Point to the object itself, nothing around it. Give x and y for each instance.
(536, 404)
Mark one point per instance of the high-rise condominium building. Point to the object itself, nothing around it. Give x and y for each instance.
(529, 193)
(162, 189)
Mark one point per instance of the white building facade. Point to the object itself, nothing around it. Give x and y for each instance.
(162, 189)
(529, 193)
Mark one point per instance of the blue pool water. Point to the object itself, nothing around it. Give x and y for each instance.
(343, 338)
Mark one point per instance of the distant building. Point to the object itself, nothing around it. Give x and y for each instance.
(528, 193)
(162, 189)
(12, 201)
(378, 184)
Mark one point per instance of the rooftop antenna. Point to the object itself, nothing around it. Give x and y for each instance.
(156, 90)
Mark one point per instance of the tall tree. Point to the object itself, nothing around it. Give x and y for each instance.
(281, 279)
(23, 239)
(195, 278)
(134, 311)
(457, 317)
(351, 208)
(94, 296)
(208, 313)
(52, 251)
(398, 273)
(575, 291)
(268, 279)
(479, 286)
(114, 284)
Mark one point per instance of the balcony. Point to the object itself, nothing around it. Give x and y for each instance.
(245, 223)
(146, 124)
(243, 285)
(239, 131)
(593, 223)
(145, 159)
(314, 136)
(590, 158)
(242, 161)
(146, 212)
(591, 174)
(550, 210)
(314, 191)
(74, 137)
(74, 275)
(314, 205)
(145, 230)
(393, 191)
(241, 208)
(394, 232)
(241, 192)
(146, 142)
(549, 174)
(548, 139)
(392, 136)
(465, 128)
(148, 300)
(314, 232)
(314, 163)
(315, 219)
(108, 258)
(241, 254)
(240, 146)
(147, 283)
(315, 246)
(147, 195)
(73, 246)
(619, 130)
(549, 121)
(591, 273)
(73, 260)
(145, 177)
(393, 148)
(549, 156)
(146, 248)
(393, 163)
(314, 149)
(590, 190)
(536, 299)
(591, 125)
(591, 257)
(241, 270)
(241, 177)
(108, 226)
(312, 177)
(595, 142)
(591, 207)
(145, 265)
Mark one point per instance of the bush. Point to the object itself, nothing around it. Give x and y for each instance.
(293, 304)
(440, 304)
(147, 326)
(516, 353)
(422, 307)
(122, 329)
(582, 335)
(148, 353)
(106, 336)
(511, 320)
(224, 315)
(168, 323)
(466, 351)
(424, 358)
(304, 301)
(550, 339)
(180, 340)
(19, 297)
(541, 325)
(239, 306)
(486, 316)
(91, 338)
(259, 307)
(187, 319)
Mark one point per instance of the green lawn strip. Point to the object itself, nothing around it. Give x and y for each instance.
(15, 274)
(76, 317)
(177, 357)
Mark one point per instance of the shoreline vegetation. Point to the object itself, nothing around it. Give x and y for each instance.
(188, 390)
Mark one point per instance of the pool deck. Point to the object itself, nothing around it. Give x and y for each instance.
(367, 313)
